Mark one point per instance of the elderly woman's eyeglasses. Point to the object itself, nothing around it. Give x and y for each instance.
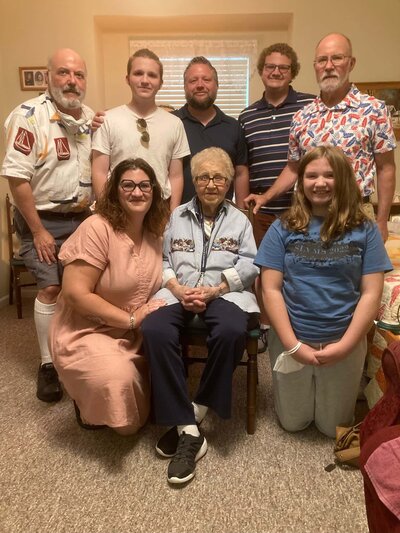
(205, 179)
(142, 127)
(130, 186)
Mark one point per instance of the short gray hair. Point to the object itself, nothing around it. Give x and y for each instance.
(215, 155)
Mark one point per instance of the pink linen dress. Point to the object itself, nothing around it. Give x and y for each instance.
(101, 367)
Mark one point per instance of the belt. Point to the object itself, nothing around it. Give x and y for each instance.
(366, 199)
(57, 214)
(258, 190)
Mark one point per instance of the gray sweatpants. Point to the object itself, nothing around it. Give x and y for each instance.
(325, 395)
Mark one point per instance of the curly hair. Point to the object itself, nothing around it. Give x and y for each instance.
(285, 50)
(345, 211)
(109, 207)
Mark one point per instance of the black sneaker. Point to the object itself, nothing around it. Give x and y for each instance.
(48, 387)
(83, 424)
(262, 341)
(168, 443)
(182, 466)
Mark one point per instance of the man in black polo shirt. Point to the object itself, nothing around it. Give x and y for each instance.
(266, 125)
(206, 125)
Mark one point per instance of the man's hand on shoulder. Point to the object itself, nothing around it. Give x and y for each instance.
(98, 120)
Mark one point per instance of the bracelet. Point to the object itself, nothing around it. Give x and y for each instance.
(132, 321)
(294, 349)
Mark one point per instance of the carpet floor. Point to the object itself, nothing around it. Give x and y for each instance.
(59, 478)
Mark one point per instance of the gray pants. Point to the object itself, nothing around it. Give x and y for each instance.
(325, 395)
(60, 227)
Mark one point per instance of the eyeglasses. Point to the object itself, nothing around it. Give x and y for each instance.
(130, 186)
(337, 60)
(283, 69)
(217, 179)
(142, 127)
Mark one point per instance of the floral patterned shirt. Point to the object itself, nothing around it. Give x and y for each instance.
(359, 124)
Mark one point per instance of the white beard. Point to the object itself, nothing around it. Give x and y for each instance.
(63, 101)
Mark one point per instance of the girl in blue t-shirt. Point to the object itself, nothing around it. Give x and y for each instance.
(322, 277)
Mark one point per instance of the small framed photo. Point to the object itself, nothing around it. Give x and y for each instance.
(33, 78)
(389, 92)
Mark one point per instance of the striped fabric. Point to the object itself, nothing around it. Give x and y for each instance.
(267, 136)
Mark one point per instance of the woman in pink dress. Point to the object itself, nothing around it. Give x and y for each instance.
(112, 267)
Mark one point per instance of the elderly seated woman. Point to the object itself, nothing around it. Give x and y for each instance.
(208, 270)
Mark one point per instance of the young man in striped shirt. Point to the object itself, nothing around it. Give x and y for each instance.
(266, 124)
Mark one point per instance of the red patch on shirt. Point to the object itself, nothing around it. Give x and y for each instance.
(24, 141)
(62, 148)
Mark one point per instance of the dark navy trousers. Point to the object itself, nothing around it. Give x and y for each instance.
(227, 326)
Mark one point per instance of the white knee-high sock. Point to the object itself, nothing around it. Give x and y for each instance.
(191, 429)
(200, 411)
(43, 314)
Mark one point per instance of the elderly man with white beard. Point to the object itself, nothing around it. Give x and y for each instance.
(48, 168)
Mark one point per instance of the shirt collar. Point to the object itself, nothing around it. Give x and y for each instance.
(194, 207)
(291, 98)
(352, 100)
(219, 117)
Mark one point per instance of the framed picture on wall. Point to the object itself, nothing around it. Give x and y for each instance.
(33, 78)
(389, 92)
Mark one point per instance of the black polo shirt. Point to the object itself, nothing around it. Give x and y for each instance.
(222, 131)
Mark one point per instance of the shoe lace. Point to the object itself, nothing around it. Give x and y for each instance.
(187, 449)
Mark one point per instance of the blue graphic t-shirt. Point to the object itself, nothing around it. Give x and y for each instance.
(321, 285)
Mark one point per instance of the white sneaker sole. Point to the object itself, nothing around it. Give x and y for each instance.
(201, 453)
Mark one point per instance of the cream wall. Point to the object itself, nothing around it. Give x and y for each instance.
(99, 29)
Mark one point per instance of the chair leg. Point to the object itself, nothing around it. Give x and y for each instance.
(252, 378)
(11, 287)
(18, 297)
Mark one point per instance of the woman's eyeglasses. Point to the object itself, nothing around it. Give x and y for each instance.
(130, 186)
(142, 127)
(217, 179)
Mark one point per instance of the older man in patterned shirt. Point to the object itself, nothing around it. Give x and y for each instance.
(342, 116)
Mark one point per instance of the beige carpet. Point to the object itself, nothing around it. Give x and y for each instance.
(59, 478)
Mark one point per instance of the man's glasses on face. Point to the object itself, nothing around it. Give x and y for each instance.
(142, 127)
(337, 60)
(205, 179)
(130, 186)
(283, 69)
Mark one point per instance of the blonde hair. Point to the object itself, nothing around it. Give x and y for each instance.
(213, 155)
(345, 211)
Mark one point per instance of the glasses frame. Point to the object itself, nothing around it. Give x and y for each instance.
(134, 185)
(141, 125)
(201, 180)
(337, 60)
(283, 69)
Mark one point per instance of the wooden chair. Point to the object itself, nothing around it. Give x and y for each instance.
(17, 266)
(195, 334)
